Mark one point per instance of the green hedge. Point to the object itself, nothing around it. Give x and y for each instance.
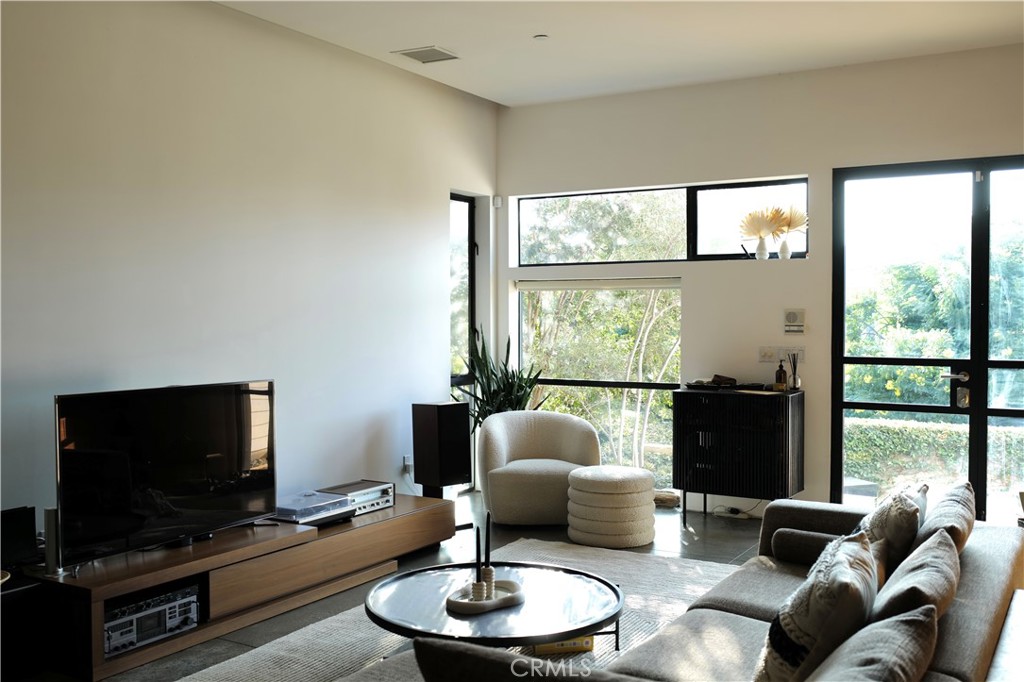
(891, 451)
(886, 450)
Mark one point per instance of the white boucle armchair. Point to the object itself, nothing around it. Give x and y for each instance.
(525, 458)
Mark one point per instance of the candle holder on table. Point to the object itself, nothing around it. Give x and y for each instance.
(485, 593)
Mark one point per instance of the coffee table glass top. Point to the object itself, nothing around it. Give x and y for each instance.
(561, 603)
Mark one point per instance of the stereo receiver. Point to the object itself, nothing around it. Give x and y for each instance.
(365, 496)
(149, 620)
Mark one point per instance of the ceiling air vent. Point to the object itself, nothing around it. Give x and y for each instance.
(427, 55)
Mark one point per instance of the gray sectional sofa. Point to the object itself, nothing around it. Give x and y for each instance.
(907, 592)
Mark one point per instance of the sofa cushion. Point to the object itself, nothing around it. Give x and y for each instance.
(895, 519)
(799, 546)
(756, 589)
(896, 649)
(820, 517)
(928, 576)
(954, 512)
(832, 604)
(991, 567)
(804, 547)
(698, 646)
(443, 660)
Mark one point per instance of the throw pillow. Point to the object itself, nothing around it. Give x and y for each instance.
(954, 513)
(895, 520)
(898, 649)
(919, 494)
(880, 553)
(832, 604)
(930, 575)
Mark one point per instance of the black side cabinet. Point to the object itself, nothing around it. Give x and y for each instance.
(737, 443)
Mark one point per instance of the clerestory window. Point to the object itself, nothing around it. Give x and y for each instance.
(698, 222)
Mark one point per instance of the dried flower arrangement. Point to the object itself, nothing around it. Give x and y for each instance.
(772, 222)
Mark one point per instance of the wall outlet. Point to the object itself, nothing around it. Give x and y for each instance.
(775, 354)
(785, 351)
(406, 464)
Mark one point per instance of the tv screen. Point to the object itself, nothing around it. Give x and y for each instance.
(144, 468)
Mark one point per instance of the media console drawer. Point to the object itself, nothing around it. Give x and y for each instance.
(256, 581)
(339, 550)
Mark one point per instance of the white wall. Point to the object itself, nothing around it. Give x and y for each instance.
(960, 105)
(193, 195)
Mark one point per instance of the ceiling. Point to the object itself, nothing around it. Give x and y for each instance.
(602, 48)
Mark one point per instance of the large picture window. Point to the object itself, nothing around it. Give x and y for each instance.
(610, 353)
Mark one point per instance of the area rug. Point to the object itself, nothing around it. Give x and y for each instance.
(657, 590)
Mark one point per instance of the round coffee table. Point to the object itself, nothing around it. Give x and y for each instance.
(561, 603)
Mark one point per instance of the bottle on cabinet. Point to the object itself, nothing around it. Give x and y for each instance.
(781, 380)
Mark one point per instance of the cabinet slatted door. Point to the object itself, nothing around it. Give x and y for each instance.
(738, 443)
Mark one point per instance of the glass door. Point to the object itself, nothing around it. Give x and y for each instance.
(928, 331)
(1004, 440)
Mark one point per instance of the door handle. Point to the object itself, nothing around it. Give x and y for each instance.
(962, 376)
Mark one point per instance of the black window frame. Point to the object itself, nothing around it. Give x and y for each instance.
(585, 383)
(472, 251)
(978, 415)
(692, 227)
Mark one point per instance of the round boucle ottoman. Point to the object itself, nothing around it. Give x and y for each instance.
(611, 506)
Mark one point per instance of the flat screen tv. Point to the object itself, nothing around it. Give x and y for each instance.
(145, 468)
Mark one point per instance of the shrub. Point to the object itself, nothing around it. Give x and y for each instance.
(887, 451)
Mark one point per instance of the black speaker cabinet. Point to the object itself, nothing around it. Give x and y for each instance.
(440, 445)
(18, 537)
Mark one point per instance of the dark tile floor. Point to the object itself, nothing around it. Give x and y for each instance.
(706, 537)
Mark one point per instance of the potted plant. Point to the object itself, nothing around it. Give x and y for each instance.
(497, 387)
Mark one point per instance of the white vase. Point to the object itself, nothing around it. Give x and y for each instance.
(784, 251)
(762, 249)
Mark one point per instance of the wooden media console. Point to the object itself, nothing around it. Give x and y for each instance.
(244, 575)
